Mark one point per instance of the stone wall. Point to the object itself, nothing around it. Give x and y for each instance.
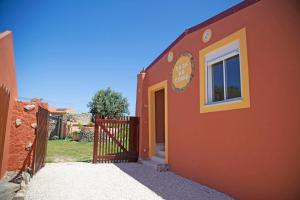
(51, 126)
(22, 134)
(77, 123)
(82, 118)
(87, 134)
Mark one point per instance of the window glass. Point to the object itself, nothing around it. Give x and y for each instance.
(233, 81)
(217, 82)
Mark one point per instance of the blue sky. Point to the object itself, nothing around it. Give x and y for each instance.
(66, 50)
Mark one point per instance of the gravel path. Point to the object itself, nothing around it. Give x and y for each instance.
(124, 181)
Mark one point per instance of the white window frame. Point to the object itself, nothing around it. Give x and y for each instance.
(221, 54)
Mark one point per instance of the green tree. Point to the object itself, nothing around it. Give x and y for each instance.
(109, 103)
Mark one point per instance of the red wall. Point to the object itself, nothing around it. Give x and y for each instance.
(250, 153)
(8, 79)
(22, 135)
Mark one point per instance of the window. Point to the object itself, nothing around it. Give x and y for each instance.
(224, 81)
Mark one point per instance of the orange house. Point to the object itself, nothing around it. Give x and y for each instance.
(221, 105)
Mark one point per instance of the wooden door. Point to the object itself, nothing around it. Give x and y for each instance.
(160, 116)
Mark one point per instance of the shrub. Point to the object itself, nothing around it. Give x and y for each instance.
(108, 103)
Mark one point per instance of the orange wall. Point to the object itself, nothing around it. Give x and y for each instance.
(18, 157)
(8, 79)
(252, 153)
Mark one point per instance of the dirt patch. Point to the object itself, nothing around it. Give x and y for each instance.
(59, 158)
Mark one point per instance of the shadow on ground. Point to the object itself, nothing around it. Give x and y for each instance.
(168, 185)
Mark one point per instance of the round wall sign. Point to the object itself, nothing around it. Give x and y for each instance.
(170, 56)
(183, 72)
(206, 35)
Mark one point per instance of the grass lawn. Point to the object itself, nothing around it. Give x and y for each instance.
(69, 151)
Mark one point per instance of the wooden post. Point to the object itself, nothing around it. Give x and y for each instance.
(96, 140)
(133, 139)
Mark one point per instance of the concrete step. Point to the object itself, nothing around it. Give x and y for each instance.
(160, 153)
(160, 147)
(158, 160)
(154, 165)
(149, 163)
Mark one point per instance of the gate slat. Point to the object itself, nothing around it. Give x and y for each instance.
(96, 142)
(123, 134)
(105, 141)
(113, 142)
(101, 145)
(108, 144)
(118, 139)
(127, 131)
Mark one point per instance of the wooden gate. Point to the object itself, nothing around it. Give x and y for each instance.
(116, 140)
(40, 148)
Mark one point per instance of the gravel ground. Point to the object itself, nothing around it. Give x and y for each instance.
(123, 181)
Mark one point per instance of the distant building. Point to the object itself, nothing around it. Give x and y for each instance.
(61, 111)
(57, 126)
(65, 121)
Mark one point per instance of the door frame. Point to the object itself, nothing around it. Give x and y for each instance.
(151, 117)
